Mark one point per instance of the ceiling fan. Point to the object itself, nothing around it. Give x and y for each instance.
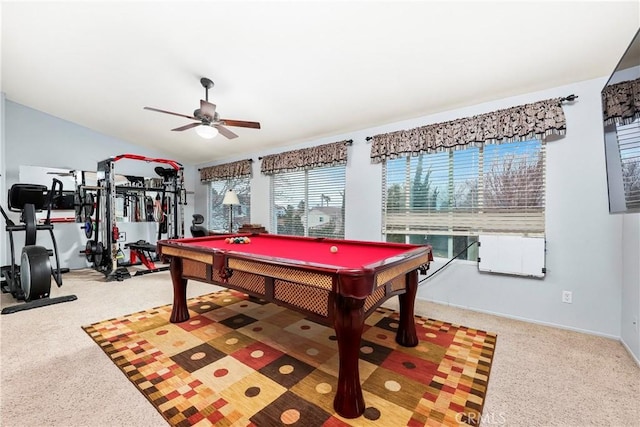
(209, 121)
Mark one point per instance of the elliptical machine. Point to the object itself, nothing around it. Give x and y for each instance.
(31, 281)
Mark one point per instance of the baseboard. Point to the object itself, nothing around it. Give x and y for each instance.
(525, 319)
(633, 356)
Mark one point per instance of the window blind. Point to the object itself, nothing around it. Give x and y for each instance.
(629, 146)
(309, 202)
(494, 188)
(219, 213)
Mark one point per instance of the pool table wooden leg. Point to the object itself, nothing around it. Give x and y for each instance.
(406, 335)
(348, 324)
(180, 312)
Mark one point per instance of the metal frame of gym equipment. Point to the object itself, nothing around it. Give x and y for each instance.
(31, 281)
(103, 250)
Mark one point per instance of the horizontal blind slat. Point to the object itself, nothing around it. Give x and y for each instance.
(497, 188)
(309, 202)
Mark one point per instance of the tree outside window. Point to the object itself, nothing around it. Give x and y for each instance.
(309, 202)
(219, 213)
(448, 198)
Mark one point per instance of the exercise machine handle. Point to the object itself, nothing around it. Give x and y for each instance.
(52, 193)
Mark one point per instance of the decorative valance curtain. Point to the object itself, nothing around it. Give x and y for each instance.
(322, 155)
(621, 102)
(228, 170)
(519, 123)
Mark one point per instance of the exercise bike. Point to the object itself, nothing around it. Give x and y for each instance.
(31, 281)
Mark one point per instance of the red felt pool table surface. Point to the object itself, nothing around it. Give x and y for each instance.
(350, 254)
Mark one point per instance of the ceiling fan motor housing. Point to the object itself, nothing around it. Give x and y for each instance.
(205, 118)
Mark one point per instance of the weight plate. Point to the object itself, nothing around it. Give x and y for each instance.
(98, 255)
(88, 205)
(77, 204)
(89, 250)
(88, 228)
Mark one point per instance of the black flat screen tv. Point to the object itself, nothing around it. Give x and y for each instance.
(621, 118)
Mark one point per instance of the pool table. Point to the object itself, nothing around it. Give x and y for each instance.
(338, 287)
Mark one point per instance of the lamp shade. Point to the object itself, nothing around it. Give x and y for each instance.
(230, 198)
(206, 131)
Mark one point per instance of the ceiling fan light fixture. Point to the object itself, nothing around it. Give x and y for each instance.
(206, 131)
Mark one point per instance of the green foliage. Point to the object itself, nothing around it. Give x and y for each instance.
(326, 230)
(421, 194)
(291, 222)
(395, 198)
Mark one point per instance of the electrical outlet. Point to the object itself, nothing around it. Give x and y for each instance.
(567, 297)
(122, 236)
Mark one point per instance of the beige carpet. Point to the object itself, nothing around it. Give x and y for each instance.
(50, 367)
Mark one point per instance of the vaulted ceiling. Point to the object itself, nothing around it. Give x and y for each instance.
(303, 69)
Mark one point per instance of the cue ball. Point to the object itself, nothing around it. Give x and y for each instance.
(333, 249)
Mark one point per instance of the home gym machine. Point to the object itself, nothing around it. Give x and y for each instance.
(31, 281)
(103, 249)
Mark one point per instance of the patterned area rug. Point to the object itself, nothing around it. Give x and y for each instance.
(245, 362)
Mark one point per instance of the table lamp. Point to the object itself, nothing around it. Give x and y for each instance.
(230, 198)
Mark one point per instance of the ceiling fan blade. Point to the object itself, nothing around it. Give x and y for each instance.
(226, 132)
(207, 108)
(189, 126)
(240, 123)
(169, 112)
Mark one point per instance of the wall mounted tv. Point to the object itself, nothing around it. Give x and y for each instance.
(621, 115)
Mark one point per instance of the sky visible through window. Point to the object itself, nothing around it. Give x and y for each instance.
(452, 177)
(288, 191)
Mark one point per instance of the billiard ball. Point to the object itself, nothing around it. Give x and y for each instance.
(333, 249)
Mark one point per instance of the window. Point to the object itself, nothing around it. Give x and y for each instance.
(309, 202)
(219, 213)
(629, 149)
(447, 198)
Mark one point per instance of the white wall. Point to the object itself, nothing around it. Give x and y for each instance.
(584, 250)
(34, 138)
(3, 186)
(630, 304)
